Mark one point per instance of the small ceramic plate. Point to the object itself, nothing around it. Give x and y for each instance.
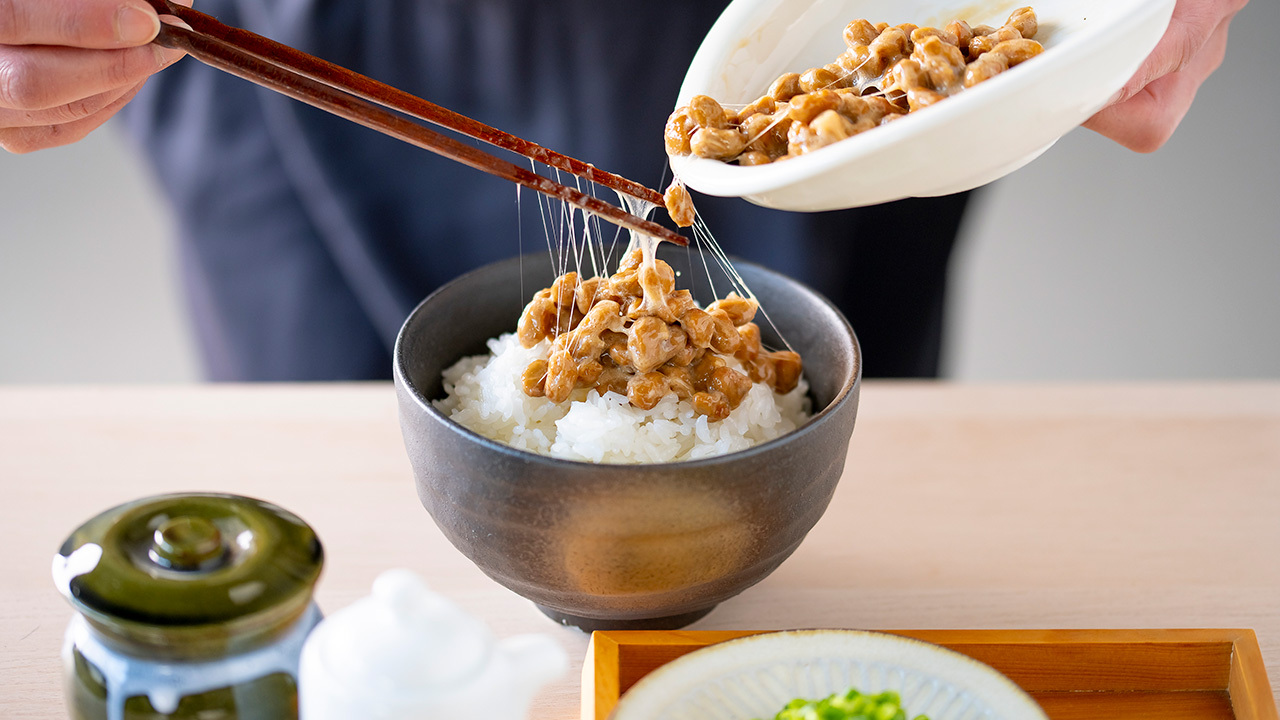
(1092, 47)
(755, 676)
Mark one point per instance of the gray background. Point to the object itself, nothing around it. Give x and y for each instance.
(1090, 263)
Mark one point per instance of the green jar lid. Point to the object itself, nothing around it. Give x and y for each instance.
(190, 568)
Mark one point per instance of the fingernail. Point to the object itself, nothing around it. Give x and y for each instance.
(166, 56)
(135, 26)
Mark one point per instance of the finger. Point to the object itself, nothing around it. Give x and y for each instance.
(99, 24)
(41, 77)
(1191, 26)
(29, 139)
(71, 112)
(1145, 122)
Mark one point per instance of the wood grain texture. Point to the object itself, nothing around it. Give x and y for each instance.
(1192, 705)
(1119, 674)
(1251, 691)
(1080, 506)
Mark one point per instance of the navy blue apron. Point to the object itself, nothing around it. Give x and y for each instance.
(305, 240)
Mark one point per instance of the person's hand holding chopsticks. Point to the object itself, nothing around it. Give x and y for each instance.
(66, 66)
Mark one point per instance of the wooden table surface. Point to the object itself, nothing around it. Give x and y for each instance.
(1027, 506)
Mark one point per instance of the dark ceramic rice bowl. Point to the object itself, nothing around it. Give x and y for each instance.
(622, 546)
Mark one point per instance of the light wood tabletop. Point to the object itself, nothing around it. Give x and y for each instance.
(1024, 506)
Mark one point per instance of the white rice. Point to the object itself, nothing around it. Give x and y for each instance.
(484, 394)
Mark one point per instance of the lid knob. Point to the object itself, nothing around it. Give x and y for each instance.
(187, 543)
(190, 575)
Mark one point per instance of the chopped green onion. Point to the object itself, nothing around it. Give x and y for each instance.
(848, 705)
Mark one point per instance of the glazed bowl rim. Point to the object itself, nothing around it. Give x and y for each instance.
(401, 378)
(719, 656)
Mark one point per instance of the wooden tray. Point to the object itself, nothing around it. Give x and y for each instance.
(1073, 674)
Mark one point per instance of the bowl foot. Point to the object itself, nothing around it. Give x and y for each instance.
(586, 624)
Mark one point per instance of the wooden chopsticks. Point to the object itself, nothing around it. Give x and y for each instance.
(362, 100)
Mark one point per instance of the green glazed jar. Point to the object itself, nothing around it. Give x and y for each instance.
(191, 607)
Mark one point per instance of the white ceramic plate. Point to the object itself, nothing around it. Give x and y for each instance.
(755, 676)
(1092, 47)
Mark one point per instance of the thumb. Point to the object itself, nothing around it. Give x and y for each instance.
(95, 24)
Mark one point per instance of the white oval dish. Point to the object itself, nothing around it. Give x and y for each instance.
(1092, 47)
(755, 676)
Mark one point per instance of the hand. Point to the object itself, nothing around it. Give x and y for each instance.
(66, 66)
(1144, 114)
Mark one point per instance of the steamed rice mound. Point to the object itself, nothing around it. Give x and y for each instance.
(485, 395)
